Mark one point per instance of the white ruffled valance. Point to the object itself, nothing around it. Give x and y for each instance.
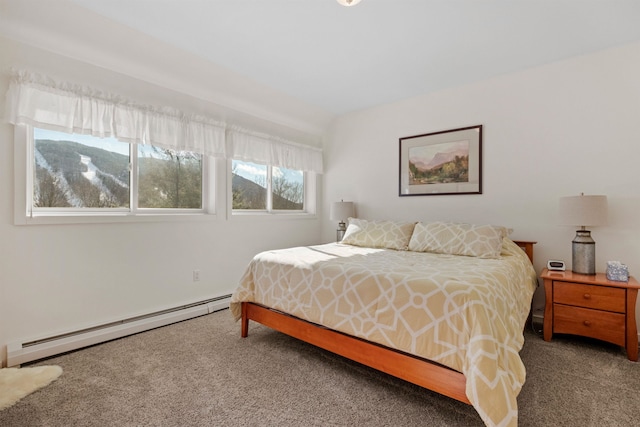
(41, 102)
(265, 149)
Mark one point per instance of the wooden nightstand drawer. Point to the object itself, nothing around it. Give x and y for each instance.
(597, 324)
(597, 297)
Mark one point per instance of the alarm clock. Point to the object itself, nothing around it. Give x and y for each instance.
(556, 265)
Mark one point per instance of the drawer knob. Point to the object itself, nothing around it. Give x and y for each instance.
(587, 323)
(587, 296)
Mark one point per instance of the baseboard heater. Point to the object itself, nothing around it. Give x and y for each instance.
(23, 352)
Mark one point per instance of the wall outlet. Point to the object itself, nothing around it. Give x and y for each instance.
(196, 275)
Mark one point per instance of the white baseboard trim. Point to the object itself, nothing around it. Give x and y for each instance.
(27, 351)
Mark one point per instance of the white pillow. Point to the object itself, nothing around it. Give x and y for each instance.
(378, 234)
(482, 241)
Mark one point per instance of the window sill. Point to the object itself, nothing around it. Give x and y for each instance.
(262, 215)
(113, 218)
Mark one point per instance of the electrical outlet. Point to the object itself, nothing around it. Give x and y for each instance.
(196, 275)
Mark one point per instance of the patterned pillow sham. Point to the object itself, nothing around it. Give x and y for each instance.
(378, 234)
(482, 241)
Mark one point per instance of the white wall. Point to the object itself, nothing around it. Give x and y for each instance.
(550, 131)
(61, 278)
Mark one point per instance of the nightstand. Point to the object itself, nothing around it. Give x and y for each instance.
(591, 306)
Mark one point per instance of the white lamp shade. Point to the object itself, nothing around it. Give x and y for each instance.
(583, 211)
(348, 2)
(341, 211)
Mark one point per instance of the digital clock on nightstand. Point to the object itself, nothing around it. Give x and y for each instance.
(555, 265)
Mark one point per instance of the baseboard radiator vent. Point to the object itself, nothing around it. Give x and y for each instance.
(23, 352)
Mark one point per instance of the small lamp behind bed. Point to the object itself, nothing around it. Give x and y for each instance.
(341, 211)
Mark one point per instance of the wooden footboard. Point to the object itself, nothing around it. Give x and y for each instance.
(410, 368)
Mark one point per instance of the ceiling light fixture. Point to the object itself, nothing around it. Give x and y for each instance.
(348, 2)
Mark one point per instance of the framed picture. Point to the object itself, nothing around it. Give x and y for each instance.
(438, 163)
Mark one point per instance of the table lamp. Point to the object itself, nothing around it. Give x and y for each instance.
(341, 211)
(583, 211)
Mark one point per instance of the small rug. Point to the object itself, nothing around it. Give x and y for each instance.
(16, 383)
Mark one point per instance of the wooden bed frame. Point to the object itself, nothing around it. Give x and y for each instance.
(413, 369)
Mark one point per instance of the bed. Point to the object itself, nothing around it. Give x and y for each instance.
(443, 310)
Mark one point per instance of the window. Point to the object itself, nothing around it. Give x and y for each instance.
(77, 171)
(257, 187)
(80, 173)
(153, 168)
(169, 178)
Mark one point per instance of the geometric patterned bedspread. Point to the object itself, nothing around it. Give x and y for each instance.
(463, 312)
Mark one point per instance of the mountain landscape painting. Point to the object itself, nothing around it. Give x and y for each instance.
(442, 163)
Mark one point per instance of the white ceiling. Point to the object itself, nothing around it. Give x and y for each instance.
(343, 59)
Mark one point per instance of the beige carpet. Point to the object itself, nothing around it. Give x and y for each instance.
(16, 383)
(200, 373)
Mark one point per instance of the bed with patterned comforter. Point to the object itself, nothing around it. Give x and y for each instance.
(466, 313)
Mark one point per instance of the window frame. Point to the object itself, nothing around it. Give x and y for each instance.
(24, 212)
(216, 187)
(309, 203)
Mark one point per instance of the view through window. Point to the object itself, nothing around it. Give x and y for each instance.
(169, 178)
(270, 188)
(83, 171)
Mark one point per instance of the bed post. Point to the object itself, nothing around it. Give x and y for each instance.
(527, 247)
(244, 331)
